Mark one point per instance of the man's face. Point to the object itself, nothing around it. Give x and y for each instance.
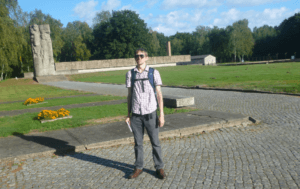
(141, 57)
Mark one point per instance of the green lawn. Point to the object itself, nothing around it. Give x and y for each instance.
(58, 102)
(22, 89)
(28, 122)
(279, 77)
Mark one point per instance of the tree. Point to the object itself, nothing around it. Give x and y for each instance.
(289, 35)
(77, 36)
(265, 39)
(241, 39)
(177, 46)
(120, 36)
(218, 42)
(162, 43)
(154, 46)
(11, 39)
(100, 17)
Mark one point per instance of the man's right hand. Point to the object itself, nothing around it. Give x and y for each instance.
(127, 120)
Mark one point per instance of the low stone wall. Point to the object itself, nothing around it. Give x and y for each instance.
(66, 67)
(28, 75)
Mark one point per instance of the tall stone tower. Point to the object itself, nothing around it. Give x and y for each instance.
(42, 51)
(169, 48)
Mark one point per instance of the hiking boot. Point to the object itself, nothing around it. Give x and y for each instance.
(161, 173)
(135, 173)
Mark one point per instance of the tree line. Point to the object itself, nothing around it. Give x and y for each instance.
(117, 34)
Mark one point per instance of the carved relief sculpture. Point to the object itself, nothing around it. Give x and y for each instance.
(42, 51)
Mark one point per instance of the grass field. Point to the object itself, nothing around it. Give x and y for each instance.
(58, 102)
(279, 77)
(22, 89)
(28, 122)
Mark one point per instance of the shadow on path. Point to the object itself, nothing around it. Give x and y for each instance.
(64, 149)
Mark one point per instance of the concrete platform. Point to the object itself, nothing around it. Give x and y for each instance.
(82, 138)
(178, 101)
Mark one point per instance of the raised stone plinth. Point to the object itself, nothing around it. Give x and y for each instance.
(178, 101)
(28, 75)
(51, 78)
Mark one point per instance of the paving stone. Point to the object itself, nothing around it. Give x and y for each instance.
(261, 156)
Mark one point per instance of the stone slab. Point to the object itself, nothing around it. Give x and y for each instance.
(36, 103)
(111, 134)
(51, 120)
(178, 101)
(28, 75)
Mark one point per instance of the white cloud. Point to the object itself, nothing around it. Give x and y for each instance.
(126, 7)
(271, 17)
(151, 3)
(176, 19)
(170, 4)
(165, 30)
(180, 21)
(110, 5)
(129, 7)
(252, 2)
(86, 10)
(227, 18)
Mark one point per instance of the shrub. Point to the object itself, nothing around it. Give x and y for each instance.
(33, 101)
(50, 114)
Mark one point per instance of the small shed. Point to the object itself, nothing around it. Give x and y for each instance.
(206, 59)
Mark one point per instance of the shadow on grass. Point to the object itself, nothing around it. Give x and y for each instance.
(64, 149)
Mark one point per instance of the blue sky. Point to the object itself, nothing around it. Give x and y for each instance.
(171, 16)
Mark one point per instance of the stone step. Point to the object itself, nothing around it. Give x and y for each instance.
(51, 78)
(178, 101)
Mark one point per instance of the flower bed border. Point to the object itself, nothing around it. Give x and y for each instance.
(50, 120)
(36, 103)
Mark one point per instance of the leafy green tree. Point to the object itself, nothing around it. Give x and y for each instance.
(289, 35)
(218, 42)
(100, 17)
(177, 46)
(201, 40)
(11, 39)
(120, 36)
(77, 36)
(162, 43)
(241, 39)
(154, 46)
(264, 37)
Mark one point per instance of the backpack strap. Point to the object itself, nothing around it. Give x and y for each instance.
(132, 85)
(151, 80)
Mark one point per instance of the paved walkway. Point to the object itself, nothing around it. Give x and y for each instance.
(264, 156)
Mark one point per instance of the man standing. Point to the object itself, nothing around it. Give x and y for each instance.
(142, 104)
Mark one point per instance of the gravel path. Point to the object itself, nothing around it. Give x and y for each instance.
(262, 156)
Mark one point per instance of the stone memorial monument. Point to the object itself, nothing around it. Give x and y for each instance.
(42, 51)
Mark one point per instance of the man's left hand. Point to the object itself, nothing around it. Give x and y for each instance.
(161, 121)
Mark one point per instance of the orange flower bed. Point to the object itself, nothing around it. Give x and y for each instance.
(33, 101)
(50, 114)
